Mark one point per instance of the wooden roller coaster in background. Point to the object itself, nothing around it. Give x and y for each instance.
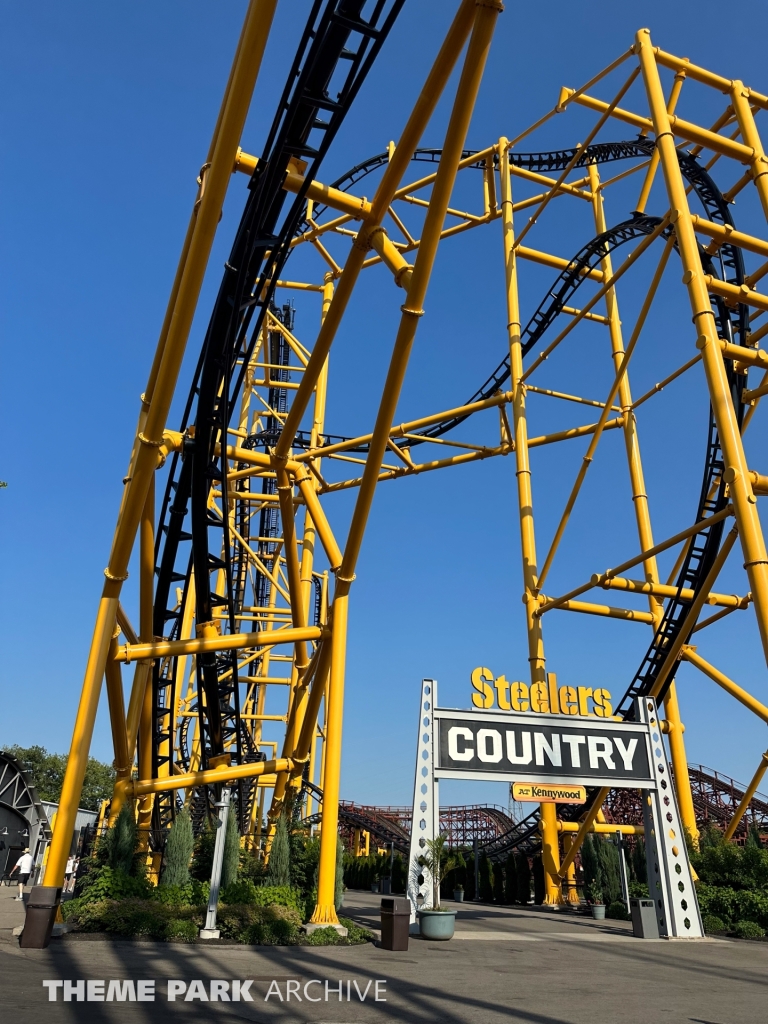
(239, 643)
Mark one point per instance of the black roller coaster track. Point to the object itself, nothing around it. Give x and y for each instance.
(259, 252)
(336, 52)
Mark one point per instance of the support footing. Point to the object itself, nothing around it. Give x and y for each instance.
(339, 928)
(209, 933)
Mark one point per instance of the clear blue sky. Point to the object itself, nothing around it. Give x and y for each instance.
(107, 111)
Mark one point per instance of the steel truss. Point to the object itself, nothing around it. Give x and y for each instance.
(252, 586)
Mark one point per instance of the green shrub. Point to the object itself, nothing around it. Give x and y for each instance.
(181, 930)
(638, 890)
(720, 863)
(713, 925)
(202, 859)
(510, 879)
(324, 937)
(255, 925)
(356, 934)
(178, 851)
(280, 896)
(617, 911)
(523, 871)
(749, 930)
(241, 891)
(108, 883)
(734, 904)
(279, 868)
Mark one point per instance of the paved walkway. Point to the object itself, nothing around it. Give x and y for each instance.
(534, 967)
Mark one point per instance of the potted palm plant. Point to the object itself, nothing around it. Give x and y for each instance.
(596, 897)
(436, 922)
(458, 894)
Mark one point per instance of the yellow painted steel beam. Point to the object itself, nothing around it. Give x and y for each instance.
(629, 614)
(228, 642)
(724, 233)
(736, 472)
(699, 74)
(210, 777)
(602, 828)
(584, 827)
(684, 129)
(406, 146)
(737, 294)
(663, 590)
(691, 655)
(156, 405)
(744, 803)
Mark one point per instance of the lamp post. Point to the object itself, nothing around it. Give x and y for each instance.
(210, 931)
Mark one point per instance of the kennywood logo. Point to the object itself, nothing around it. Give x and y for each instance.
(540, 748)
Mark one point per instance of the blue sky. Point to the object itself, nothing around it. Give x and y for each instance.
(107, 112)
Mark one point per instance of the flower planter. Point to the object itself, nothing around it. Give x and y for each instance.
(598, 911)
(436, 924)
(458, 895)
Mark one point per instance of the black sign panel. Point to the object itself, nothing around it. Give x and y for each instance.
(547, 747)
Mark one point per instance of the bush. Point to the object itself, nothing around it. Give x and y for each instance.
(721, 863)
(523, 871)
(713, 925)
(202, 860)
(617, 911)
(178, 851)
(324, 937)
(181, 930)
(271, 925)
(279, 869)
(330, 937)
(510, 880)
(246, 893)
(638, 891)
(749, 930)
(106, 883)
(733, 904)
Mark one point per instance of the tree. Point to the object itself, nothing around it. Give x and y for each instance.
(485, 879)
(178, 851)
(202, 860)
(523, 871)
(46, 774)
(609, 860)
(231, 859)
(279, 868)
(121, 840)
(639, 866)
(510, 880)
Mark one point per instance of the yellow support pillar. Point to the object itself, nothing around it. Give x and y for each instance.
(736, 469)
(569, 881)
(550, 855)
(536, 659)
(486, 12)
(157, 402)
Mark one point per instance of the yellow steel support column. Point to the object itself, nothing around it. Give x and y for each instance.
(550, 854)
(146, 636)
(569, 881)
(738, 814)
(536, 658)
(736, 469)
(640, 498)
(258, 21)
(466, 94)
(751, 138)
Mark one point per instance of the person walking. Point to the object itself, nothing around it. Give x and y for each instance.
(68, 873)
(24, 866)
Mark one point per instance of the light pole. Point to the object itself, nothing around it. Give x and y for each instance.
(210, 931)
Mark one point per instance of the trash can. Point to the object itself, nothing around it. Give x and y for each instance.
(43, 903)
(385, 886)
(395, 922)
(644, 922)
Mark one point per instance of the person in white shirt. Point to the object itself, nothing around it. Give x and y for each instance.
(68, 873)
(24, 866)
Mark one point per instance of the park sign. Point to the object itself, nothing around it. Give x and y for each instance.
(549, 757)
(541, 749)
(550, 793)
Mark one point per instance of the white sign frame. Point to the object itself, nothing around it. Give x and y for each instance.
(670, 881)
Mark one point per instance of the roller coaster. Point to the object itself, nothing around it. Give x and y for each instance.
(244, 589)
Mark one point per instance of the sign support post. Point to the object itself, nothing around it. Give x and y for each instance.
(425, 822)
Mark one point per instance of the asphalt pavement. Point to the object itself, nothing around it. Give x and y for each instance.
(516, 965)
